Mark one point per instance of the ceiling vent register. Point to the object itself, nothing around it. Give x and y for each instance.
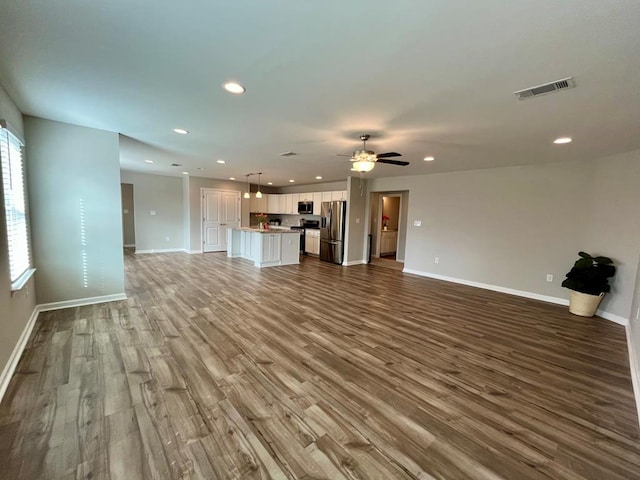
(546, 88)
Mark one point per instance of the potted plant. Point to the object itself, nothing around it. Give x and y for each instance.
(588, 281)
(385, 221)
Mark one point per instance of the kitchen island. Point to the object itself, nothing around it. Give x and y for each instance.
(266, 248)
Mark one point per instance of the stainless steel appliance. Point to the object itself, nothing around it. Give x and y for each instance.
(332, 231)
(305, 208)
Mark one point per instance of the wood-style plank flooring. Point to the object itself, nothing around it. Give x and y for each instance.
(214, 369)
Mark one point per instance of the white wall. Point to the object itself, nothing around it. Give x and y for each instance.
(509, 227)
(16, 309)
(162, 195)
(76, 221)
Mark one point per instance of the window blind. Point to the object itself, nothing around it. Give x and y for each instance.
(14, 203)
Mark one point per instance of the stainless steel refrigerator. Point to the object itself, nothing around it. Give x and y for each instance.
(332, 231)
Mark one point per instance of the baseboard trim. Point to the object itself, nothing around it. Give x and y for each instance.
(635, 371)
(192, 252)
(487, 286)
(45, 307)
(12, 364)
(129, 245)
(519, 293)
(161, 250)
(613, 318)
(353, 262)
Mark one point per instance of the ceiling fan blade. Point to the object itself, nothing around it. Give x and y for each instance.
(388, 155)
(393, 162)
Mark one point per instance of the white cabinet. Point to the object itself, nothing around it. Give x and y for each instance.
(317, 203)
(312, 242)
(271, 245)
(259, 205)
(339, 195)
(295, 198)
(287, 203)
(305, 197)
(326, 196)
(388, 242)
(273, 204)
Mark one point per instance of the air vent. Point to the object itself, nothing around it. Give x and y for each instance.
(288, 154)
(176, 164)
(545, 88)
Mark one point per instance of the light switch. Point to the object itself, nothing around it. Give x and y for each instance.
(126, 211)
(153, 212)
(357, 220)
(417, 223)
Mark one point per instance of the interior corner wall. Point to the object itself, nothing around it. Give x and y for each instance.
(186, 212)
(613, 229)
(73, 177)
(356, 241)
(158, 211)
(15, 309)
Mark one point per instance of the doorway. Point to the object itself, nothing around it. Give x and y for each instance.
(387, 226)
(220, 212)
(128, 216)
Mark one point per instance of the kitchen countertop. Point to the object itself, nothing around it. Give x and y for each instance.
(271, 230)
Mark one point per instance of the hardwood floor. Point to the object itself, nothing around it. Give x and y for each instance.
(215, 369)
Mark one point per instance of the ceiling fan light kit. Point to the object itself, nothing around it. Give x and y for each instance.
(364, 160)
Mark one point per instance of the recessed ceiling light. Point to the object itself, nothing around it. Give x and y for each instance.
(562, 140)
(291, 180)
(429, 159)
(318, 177)
(148, 161)
(220, 161)
(181, 131)
(233, 87)
(185, 173)
(269, 183)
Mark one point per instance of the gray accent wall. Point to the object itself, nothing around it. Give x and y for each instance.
(16, 308)
(509, 227)
(76, 222)
(158, 211)
(355, 249)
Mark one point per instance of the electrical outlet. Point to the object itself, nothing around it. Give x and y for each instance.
(417, 223)
(436, 260)
(153, 212)
(549, 277)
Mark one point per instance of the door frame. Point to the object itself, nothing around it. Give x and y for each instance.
(202, 192)
(379, 223)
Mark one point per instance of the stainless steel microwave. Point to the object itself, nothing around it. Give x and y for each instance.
(305, 208)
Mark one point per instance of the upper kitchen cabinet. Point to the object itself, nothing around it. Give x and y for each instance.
(259, 205)
(339, 195)
(317, 203)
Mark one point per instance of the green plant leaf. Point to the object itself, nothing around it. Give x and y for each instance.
(584, 263)
(584, 255)
(605, 260)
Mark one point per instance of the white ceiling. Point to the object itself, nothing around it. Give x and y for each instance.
(422, 77)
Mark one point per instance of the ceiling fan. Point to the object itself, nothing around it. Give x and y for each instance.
(364, 160)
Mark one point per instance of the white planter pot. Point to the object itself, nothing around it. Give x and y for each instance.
(584, 304)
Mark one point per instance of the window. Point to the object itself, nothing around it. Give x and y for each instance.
(15, 207)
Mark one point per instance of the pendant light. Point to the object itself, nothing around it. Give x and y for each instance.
(259, 193)
(247, 194)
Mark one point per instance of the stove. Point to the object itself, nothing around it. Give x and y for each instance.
(306, 224)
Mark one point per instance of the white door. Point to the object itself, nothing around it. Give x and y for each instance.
(220, 211)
